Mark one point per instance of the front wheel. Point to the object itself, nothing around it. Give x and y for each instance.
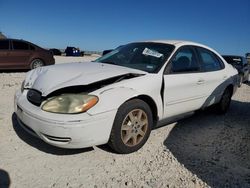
(132, 126)
(36, 63)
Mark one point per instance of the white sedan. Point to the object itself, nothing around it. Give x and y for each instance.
(121, 96)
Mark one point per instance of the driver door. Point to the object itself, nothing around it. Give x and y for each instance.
(184, 83)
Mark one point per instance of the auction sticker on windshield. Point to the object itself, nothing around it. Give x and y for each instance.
(153, 53)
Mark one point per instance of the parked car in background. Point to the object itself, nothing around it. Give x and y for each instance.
(55, 51)
(248, 58)
(106, 51)
(240, 63)
(72, 51)
(20, 54)
(82, 53)
(120, 97)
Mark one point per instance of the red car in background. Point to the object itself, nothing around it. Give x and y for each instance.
(20, 54)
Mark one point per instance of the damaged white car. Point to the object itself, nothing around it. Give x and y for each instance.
(121, 96)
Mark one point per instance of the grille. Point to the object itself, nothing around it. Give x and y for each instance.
(34, 97)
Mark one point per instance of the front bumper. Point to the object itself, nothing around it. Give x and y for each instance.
(63, 130)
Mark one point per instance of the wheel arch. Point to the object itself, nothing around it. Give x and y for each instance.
(152, 105)
(34, 58)
(231, 88)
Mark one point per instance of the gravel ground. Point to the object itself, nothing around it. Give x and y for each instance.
(200, 151)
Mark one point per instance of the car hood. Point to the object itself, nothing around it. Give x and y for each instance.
(51, 78)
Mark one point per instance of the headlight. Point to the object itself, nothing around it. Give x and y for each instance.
(69, 103)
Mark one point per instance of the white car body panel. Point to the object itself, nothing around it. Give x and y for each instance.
(181, 93)
(113, 96)
(84, 129)
(50, 78)
(186, 92)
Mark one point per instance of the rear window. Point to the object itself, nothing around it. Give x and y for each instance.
(210, 62)
(4, 45)
(19, 45)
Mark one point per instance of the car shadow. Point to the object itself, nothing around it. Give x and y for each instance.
(247, 83)
(41, 145)
(107, 148)
(215, 147)
(4, 179)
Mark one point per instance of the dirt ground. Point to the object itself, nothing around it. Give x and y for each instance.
(200, 151)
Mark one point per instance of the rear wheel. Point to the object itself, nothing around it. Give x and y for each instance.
(241, 80)
(225, 101)
(246, 80)
(36, 63)
(132, 126)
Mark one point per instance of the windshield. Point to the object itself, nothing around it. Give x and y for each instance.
(145, 56)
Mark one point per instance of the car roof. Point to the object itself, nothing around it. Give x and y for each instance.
(173, 42)
(11, 39)
(179, 43)
(14, 39)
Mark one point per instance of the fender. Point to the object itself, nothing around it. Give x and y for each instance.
(112, 98)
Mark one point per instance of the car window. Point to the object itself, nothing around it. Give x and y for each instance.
(4, 45)
(244, 61)
(145, 56)
(19, 45)
(185, 61)
(209, 60)
(32, 47)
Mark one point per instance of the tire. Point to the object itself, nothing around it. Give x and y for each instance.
(241, 80)
(246, 79)
(36, 63)
(130, 132)
(224, 104)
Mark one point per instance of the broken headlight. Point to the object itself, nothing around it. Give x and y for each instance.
(69, 103)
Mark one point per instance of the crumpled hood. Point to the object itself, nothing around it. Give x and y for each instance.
(51, 78)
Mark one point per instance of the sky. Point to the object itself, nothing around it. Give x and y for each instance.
(98, 25)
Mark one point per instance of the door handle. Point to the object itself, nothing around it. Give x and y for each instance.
(200, 81)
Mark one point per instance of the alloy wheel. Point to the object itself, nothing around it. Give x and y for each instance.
(134, 127)
(37, 63)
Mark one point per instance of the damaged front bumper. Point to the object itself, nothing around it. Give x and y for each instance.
(63, 130)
